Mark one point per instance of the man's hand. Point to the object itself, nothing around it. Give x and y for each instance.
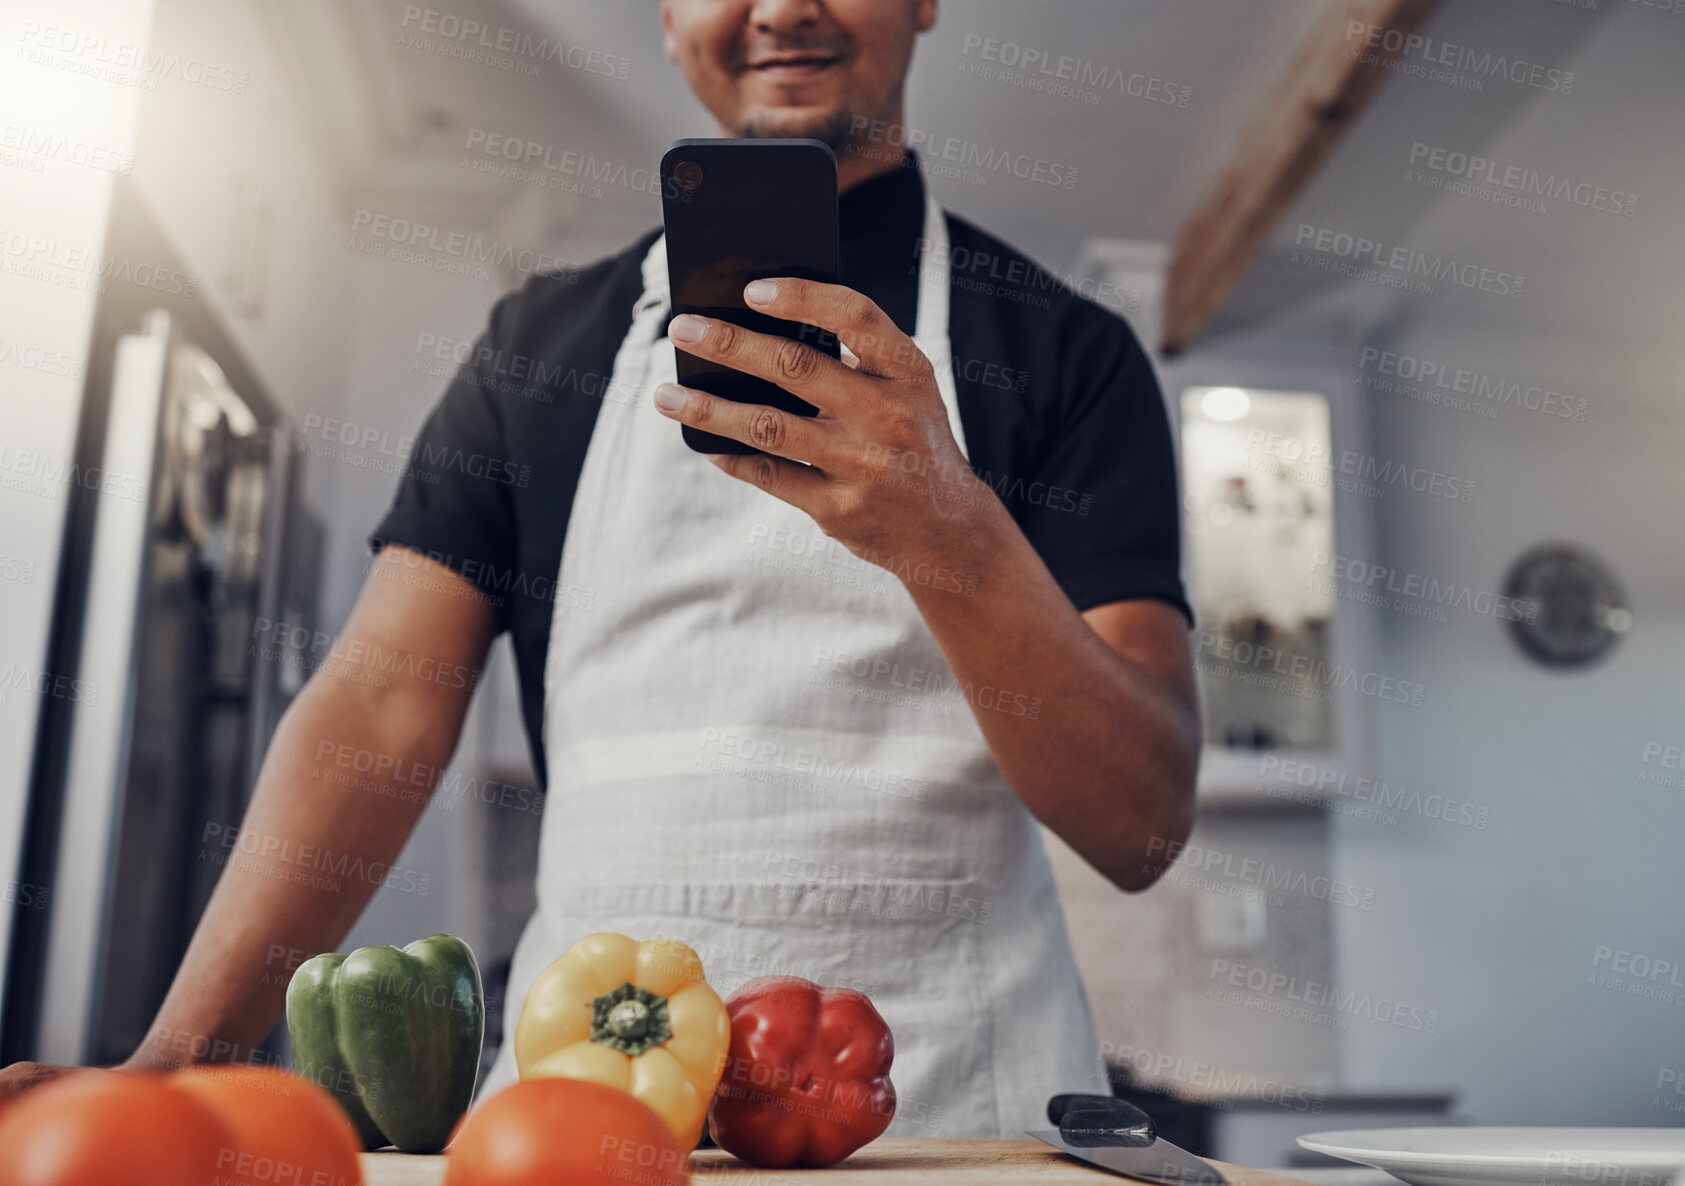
(884, 475)
(1092, 721)
(26, 1076)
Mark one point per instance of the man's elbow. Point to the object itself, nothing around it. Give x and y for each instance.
(1152, 854)
(1167, 830)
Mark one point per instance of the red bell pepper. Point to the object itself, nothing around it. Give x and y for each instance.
(806, 1079)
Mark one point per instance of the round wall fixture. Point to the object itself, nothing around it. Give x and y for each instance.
(1570, 611)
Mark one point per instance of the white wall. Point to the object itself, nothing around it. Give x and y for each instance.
(1499, 928)
(197, 145)
(64, 131)
(392, 383)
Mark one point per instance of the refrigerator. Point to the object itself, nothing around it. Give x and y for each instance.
(192, 536)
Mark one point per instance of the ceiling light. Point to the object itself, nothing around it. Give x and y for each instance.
(1225, 403)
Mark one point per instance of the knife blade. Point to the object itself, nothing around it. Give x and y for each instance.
(1159, 1162)
(1115, 1135)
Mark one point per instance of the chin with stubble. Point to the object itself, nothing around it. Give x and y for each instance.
(837, 128)
(863, 138)
(827, 70)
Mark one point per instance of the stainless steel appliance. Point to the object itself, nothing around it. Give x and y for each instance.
(191, 537)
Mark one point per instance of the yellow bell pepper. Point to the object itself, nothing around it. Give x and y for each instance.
(635, 1016)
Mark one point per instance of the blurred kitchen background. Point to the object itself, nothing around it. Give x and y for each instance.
(1432, 521)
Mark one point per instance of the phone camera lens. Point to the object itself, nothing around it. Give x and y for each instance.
(687, 175)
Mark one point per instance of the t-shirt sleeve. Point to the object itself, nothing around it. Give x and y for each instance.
(1108, 525)
(453, 501)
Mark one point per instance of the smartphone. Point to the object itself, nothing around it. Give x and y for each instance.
(742, 210)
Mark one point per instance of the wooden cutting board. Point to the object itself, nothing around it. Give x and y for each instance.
(882, 1163)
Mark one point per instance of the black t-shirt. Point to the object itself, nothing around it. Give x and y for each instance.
(1061, 412)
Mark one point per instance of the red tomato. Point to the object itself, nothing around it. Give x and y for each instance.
(282, 1129)
(110, 1128)
(547, 1132)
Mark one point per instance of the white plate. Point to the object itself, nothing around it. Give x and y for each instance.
(1510, 1156)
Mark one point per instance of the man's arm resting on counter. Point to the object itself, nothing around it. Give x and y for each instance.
(230, 989)
(324, 785)
(1109, 760)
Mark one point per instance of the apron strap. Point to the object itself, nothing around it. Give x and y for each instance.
(649, 318)
(930, 330)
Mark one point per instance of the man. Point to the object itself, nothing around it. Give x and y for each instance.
(803, 717)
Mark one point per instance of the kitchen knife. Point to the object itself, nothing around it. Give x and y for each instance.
(1115, 1135)
(1086, 1119)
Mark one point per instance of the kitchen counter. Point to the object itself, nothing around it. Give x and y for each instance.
(883, 1163)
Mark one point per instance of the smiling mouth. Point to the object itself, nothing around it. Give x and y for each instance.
(794, 65)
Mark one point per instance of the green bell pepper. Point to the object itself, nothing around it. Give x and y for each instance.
(394, 1035)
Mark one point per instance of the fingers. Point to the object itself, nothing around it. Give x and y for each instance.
(795, 366)
(767, 429)
(854, 317)
(799, 485)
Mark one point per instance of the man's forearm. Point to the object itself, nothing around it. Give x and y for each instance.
(1099, 748)
(268, 909)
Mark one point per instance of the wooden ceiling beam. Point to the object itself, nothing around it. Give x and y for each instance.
(1334, 73)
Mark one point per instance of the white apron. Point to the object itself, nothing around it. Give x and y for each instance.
(755, 746)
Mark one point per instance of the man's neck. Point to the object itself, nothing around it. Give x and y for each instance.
(873, 156)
